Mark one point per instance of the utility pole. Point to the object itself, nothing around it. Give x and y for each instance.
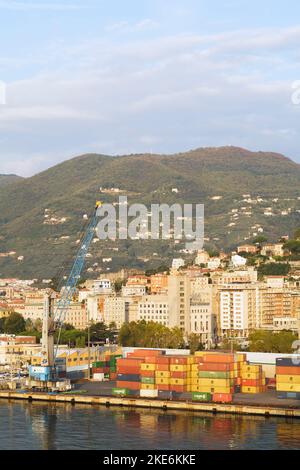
(89, 348)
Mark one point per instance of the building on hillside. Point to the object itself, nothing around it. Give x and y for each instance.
(272, 249)
(116, 310)
(179, 293)
(202, 257)
(177, 263)
(154, 308)
(159, 283)
(250, 249)
(134, 289)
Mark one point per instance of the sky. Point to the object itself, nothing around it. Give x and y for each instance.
(158, 76)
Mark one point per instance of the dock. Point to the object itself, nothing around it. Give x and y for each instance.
(109, 401)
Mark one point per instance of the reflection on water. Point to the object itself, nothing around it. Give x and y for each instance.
(63, 426)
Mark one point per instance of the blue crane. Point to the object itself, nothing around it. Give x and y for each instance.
(55, 313)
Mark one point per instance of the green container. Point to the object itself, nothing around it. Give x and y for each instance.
(148, 380)
(201, 396)
(123, 392)
(99, 364)
(213, 375)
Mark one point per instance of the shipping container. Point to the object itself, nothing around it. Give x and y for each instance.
(148, 393)
(129, 377)
(215, 367)
(129, 385)
(198, 396)
(219, 358)
(214, 374)
(288, 361)
(284, 370)
(288, 378)
(120, 391)
(222, 397)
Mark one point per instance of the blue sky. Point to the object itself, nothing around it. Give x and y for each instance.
(146, 76)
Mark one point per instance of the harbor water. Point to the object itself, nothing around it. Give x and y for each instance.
(36, 426)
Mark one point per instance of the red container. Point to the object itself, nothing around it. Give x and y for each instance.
(178, 375)
(150, 359)
(163, 360)
(164, 367)
(129, 385)
(178, 388)
(222, 397)
(163, 387)
(251, 383)
(147, 373)
(98, 370)
(113, 376)
(178, 360)
(211, 366)
(128, 370)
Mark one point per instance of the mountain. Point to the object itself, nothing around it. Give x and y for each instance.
(8, 179)
(41, 217)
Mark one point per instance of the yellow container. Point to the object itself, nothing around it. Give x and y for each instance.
(241, 357)
(287, 387)
(288, 379)
(148, 366)
(250, 389)
(194, 374)
(162, 374)
(199, 353)
(215, 382)
(162, 381)
(178, 368)
(253, 369)
(251, 375)
(194, 367)
(178, 382)
(148, 386)
(202, 388)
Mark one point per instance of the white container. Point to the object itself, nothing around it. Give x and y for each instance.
(99, 377)
(148, 393)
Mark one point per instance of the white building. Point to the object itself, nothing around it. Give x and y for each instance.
(116, 309)
(132, 290)
(154, 308)
(177, 263)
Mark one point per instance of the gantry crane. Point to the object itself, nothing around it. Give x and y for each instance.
(55, 312)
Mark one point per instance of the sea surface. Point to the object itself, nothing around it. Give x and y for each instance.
(36, 426)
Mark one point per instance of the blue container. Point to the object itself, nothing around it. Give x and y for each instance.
(288, 361)
(294, 395)
(129, 377)
(281, 395)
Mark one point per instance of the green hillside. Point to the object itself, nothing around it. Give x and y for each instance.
(240, 189)
(8, 179)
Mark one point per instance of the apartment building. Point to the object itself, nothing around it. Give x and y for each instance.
(179, 293)
(154, 308)
(159, 283)
(116, 310)
(238, 310)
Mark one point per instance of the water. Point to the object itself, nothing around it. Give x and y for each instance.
(36, 426)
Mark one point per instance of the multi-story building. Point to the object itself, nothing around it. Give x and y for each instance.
(154, 308)
(116, 310)
(159, 283)
(179, 293)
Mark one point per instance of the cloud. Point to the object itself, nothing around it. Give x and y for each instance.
(166, 93)
(127, 27)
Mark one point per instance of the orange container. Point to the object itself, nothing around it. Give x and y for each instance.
(281, 370)
(145, 353)
(222, 397)
(215, 367)
(129, 385)
(238, 381)
(129, 362)
(113, 375)
(150, 360)
(219, 358)
(178, 360)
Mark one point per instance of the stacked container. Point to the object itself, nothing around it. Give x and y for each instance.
(253, 379)
(216, 378)
(288, 378)
(128, 374)
(179, 373)
(163, 376)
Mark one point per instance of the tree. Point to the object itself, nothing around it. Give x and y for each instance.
(274, 342)
(194, 342)
(150, 335)
(38, 325)
(274, 269)
(260, 239)
(14, 323)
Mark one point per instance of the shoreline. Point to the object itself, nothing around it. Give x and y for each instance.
(108, 401)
